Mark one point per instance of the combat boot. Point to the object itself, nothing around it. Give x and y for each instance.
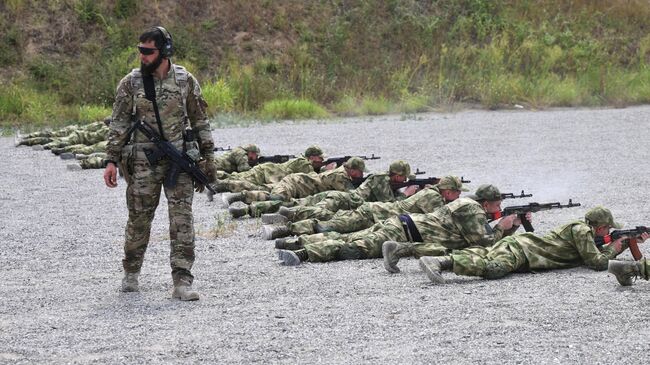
(393, 251)
(274, 218)
(433, 267)
(74, 167)
(130, 282)
(288, 243)
(287, 212)
(292, 258)
(626, 272)
(272, 232)
(67, 156)
(322, 228)
(229, 198)
(238, 209)
(183, 291)
(38, 147)
(275, 197)
(58, 150)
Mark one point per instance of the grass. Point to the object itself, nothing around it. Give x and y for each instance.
(372, 58)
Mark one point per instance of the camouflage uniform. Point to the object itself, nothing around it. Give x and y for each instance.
(322, 206)
(85, 149)
(302, 185)
(235, 160)
(568, 246)
(181, 104)
(459, 224)
(260, 176)
(93, 161)
(89, 135)
(45, 136)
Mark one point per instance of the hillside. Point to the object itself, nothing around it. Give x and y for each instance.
(62, 59)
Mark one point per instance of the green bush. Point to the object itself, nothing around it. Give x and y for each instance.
(93, 113)
(292, 109)
(219, 96)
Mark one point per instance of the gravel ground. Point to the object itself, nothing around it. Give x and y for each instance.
(62, 235)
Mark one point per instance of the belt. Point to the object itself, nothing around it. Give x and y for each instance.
(410, 229)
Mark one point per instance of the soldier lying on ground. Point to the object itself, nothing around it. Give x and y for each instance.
(567, 246)
(260, 176)
(302, 185)
(240, 159)
(376, 187)
(459, 224)
(369, 213)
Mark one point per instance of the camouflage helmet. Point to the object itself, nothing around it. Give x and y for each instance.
(355, 163)
(451, 183)
(401, 167)
(313, 151)
(600, 216)
(486, 192)
(250, 148)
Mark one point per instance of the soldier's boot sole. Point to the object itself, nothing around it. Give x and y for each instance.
(431, 267)
(67, 156)
(238, 209)
(288, 258)
(272, 232)
(624, 271)
(274, 218)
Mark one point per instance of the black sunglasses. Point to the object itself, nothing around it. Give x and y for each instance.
(147, 51)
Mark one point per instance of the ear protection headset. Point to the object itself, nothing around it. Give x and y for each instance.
(167, 49)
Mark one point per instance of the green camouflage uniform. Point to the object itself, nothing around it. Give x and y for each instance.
(89, 135)
(301, 185)
(568, 246)
(181, 105)
(93, 161)
(233, 161)
(345, 221)
(459, 224)
(322, 206)
(85, 149)
(262, 175)
(46, 136)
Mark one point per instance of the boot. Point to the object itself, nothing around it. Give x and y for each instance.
(67, 156)
(220, 186)
(73, 167)
(130, 282)
(184, 292)
(210, 194)
(626, 272)
(229, 198)
(322, 228)
(238, 209)
(273, 232)
(433, 267)
(38, 147)
(292, 258)
(393, 251)
(288, 243)
(275, 197)
(58, 150)
(274, 218)
(287, 212)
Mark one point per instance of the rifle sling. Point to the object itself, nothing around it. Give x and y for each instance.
(410, 229)
(150, 94)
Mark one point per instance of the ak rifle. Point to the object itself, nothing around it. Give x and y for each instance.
(521, 210)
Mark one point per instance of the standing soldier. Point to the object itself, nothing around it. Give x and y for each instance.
(181, 113)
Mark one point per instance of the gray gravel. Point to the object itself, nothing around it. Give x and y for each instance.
(62, 235)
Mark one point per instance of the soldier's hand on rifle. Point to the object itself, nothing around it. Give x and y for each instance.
(529, 217)
(198, 187)
(620, 244)
(110, 175)
(410, 190)
(507, 222)
(644, 236)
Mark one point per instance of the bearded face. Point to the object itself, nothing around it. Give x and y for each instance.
(148, 69)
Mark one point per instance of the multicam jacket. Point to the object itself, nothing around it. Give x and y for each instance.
(180, 103)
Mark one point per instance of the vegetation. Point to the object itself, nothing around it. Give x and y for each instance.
(294, 59)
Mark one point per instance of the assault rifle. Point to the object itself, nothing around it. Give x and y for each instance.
(521, 210)
(512, 196)
(217, 149)
(341, 160)
(179, 161)
(418, 172)
(631, 233)
(421, 183)
(275, 158)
